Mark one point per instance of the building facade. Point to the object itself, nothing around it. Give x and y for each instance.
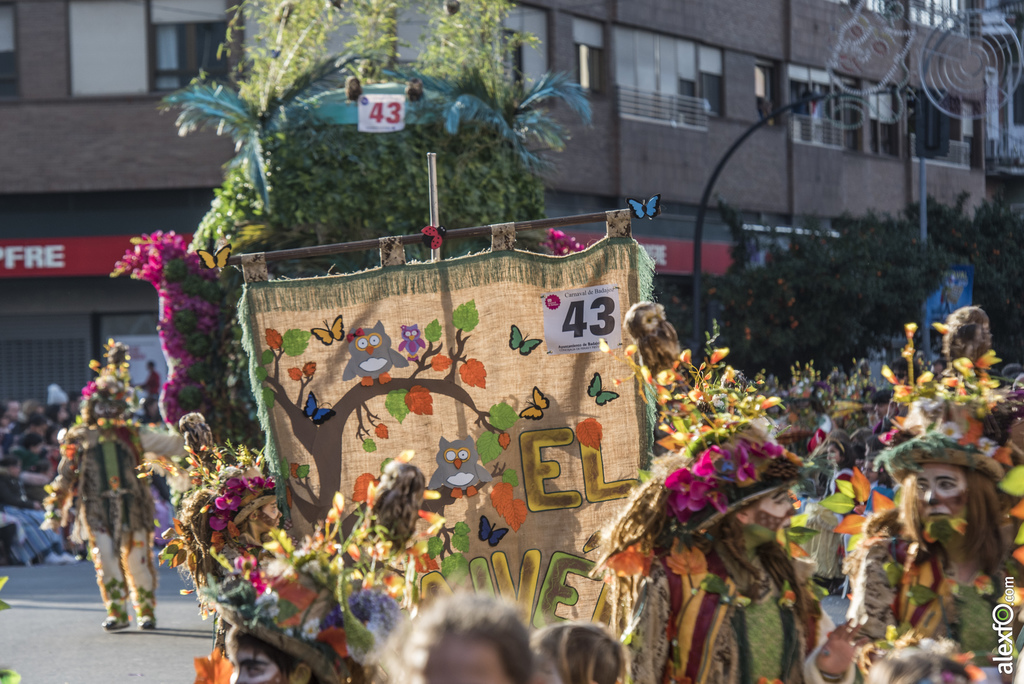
(88, 160)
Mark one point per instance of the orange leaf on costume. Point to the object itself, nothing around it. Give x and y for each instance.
(1002, 455)
(295, 374)
(630, 562)
(797, 551)
(686, 561)
(335, 638)
(274, 339)
(309, 369)
(861, 485)
(589, 433)
(363, 483)
(440, 363)
(381, 431)
(293, 592)
(419, 401)
(504, 440)
(851, 524)
(213, 669)
(233, 529)
(473, 374)
(1018, 510)
(1018, 554)
(974, 432)
(880, 502)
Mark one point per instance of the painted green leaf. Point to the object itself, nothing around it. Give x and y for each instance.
(302, 471)
(395, 404)
(488, 447)
(713, 584)
(433, 331)
(460, 537)
(434, 546)
(845, 487)
(510, 476)
(503, 416)
(369, 446)
(261, 374)
(838, 503)
(296, 341)
(267, 357)
(268, 398)
(893, 572)
(800, 535)
(455, 567)
(1013, 482)
(461, 528)
(384, 464)
(465, 317)
(920, 594)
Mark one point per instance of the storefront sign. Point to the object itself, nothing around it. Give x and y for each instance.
(672, 256)
(58, 257)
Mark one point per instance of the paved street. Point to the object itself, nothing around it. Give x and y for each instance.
(52, 633)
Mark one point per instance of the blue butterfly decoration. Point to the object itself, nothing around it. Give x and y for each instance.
(489, 534)
(315, 413)
(648, 208)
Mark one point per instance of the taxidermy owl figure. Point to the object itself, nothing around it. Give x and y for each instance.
(655, 337)
(459, 468)
(372, 355)
(411, 342)
(398, 501)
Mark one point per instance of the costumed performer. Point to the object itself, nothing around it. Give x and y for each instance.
(100, 456)
(936, 564)
(704, 586)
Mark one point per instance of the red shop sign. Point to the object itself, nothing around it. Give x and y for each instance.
(672, 256)
(58, 257)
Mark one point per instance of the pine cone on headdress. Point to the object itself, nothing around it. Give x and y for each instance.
(399, 496)
(781, 469)
(655, 337)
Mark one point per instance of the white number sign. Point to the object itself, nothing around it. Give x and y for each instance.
(381, 113)
(575, 321)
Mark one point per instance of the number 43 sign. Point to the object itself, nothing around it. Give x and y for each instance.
(381, 113)
(575, 321)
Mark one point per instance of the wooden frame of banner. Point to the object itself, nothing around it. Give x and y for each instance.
(392, 247)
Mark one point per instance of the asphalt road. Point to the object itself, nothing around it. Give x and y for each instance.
(52, 633)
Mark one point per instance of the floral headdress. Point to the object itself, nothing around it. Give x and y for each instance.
(333, 612)
(108, 398)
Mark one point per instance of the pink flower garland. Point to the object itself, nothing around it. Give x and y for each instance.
(560, 244)
(148, 261)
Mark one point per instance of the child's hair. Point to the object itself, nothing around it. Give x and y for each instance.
(913, 665)
(473, 617)
(582, 652)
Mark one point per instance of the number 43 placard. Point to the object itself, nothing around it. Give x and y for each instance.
(381, 113)
(575, 321)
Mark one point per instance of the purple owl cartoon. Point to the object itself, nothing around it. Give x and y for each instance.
(411, 342)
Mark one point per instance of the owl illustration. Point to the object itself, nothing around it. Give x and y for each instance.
(411, 342)
(459, 468)
(372, 355)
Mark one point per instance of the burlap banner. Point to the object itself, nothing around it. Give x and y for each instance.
(488, 368)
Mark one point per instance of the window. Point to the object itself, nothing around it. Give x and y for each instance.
(8, 63)
(1018, 105)
(185, 50)
(933, 12)
(669, 66)
(528, 61)
(588, 37)
(884, 127)
(764, 88)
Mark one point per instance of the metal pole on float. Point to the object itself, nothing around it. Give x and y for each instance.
(435, 254)
(923, 194)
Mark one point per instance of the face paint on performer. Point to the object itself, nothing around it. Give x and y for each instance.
(941, 490)
(771, 512)
(255, 667)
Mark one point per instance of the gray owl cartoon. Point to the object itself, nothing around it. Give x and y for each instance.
(372, 356)
(459, 468)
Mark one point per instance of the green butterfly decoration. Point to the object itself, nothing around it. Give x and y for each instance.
(516, 340)
(602, 397)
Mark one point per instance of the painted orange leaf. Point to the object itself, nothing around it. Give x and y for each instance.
(274, 339)
(504, 440)
(213, 669)
(295, 374)
(589, 433)
(309, 369)
(362, 484)
(335, 638)
(1018, 510)
(419, 401)
(851, 524)
(440, 363)
(861, 486)
(473, 373)
(501, 497)
(381, 431)
(880, 502)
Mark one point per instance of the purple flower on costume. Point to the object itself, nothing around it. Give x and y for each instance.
(226, 506)
(686, 494)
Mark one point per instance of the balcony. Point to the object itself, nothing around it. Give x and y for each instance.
(809, 130)
(959, 153)
(1005, 154)
(668, 109)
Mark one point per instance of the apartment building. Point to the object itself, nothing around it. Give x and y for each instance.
(87, 160)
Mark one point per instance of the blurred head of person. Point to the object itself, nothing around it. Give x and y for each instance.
(579, 653)
(37, 424)
(256, 662)
(467, 639)
(57, 413)
(914, 665)
(11, 409)
(31, 407)
(12, 465)
(879, 406)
